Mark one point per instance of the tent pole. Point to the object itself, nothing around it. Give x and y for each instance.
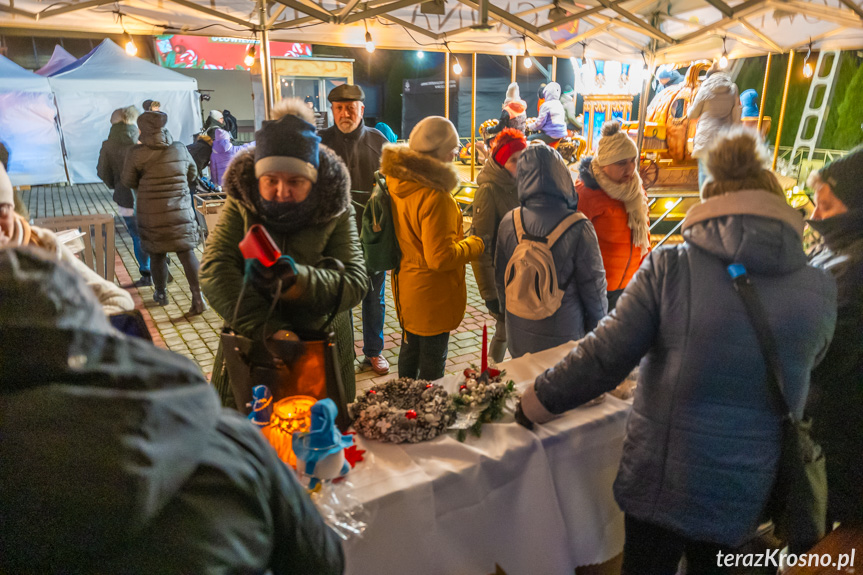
(473, 117)
(764, 92)
(554, 68)
(782, 109)
(446, 84)
(266, 63)
(642, 102)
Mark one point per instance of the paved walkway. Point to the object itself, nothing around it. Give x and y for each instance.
(198, 339)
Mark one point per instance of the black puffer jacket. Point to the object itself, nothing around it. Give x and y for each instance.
(836, 400)
(112, 156)
(125, 463)
(159, 170)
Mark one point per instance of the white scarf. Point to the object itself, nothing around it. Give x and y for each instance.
(634, 200)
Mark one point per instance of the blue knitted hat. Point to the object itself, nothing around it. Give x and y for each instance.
(288, 144)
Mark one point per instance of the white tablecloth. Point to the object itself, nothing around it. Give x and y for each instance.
(533, 502)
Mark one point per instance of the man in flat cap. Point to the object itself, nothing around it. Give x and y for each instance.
(360, 148)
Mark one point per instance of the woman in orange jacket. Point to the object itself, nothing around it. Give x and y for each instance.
(429, 288)
(611, 195)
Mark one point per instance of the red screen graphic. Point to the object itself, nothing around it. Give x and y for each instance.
(214, 53)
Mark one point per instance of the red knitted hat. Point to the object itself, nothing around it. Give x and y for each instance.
(508, 142)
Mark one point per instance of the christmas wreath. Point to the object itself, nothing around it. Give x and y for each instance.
(483, 397)
(403, 410)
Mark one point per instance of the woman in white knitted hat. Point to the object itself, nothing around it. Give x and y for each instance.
(612, 197)
(429, 288)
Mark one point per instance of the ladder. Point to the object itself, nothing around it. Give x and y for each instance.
(817, 103)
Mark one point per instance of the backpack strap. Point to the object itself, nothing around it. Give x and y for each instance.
(516, 221)
(564, 225)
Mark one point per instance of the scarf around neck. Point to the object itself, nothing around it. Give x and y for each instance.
(632, 196)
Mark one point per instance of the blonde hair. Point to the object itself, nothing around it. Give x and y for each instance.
(127, 115)
(736, 161)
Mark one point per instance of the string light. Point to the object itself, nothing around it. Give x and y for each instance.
(370, 45)
(128, 43)
(421, 55)
(457, 67)
(808, 71)
(723, 60)
(527, 61)
(249, 60)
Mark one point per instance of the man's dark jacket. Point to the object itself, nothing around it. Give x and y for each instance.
(836, 397)
(117, 457)
(111, 157)
(361, 152)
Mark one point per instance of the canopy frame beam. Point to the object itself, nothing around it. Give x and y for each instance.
(215, 13)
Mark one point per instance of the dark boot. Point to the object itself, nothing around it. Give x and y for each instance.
(160, 296)
(145, 281)
(199, 306)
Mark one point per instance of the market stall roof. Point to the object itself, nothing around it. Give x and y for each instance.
(675, 30)
(59, 60)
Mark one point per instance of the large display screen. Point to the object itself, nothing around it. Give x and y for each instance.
(215, 53)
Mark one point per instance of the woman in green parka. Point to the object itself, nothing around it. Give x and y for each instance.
(299, 191)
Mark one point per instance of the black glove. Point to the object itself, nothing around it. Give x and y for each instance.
(266, 279)
(493, 306)
(521, 418)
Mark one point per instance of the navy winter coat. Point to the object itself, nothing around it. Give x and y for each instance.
(546, 193)
(702, 442)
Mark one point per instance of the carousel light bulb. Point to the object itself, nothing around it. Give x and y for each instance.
(370, 45)
(131, 49)
(723, 61)
(807, 70)
(421, 55)
(249, 60)
(457, 67)
(527, 60)
(669, 204)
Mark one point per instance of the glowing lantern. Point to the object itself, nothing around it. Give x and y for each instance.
(289, 415)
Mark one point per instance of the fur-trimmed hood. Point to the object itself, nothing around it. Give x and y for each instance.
(586, 175)
(400, 162)
(330, 195)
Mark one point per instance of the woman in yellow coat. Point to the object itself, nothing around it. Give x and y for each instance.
(429, 288)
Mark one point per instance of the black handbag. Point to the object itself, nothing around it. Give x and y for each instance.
(298, 362)
(798, 500)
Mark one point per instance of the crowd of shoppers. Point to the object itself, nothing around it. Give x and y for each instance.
(703, 439)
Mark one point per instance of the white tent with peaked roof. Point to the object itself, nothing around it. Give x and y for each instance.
(28, 127)
(91, 88)
(59, 60)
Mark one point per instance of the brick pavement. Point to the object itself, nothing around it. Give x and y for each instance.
(198, 338)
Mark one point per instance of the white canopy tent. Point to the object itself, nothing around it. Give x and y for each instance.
(28, 127)
(59, 60)
(91, 88)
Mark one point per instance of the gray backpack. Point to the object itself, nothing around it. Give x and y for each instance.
(531, 287)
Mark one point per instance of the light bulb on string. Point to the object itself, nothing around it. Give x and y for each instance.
(457, 67)
(808, 71)
(249, 60)
(723, 60)
(528, 63)
(131, 49)
(370, 45)
(421, 55)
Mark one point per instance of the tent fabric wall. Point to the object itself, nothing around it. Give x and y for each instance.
(89, 90)
(28, 127)
(59, 59)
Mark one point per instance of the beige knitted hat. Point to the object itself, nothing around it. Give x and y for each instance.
(435, 136)
(614, 145)
(6, 195)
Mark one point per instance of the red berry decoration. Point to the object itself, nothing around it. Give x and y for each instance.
(462, 386)
(470, 373)
(373, 392)
(492, 372)
(411, 414)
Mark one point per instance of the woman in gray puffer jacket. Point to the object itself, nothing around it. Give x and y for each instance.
(159, 170)
(702, 443)
(547, 197)
(716, 106)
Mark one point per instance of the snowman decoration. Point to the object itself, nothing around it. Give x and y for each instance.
(320, 451)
